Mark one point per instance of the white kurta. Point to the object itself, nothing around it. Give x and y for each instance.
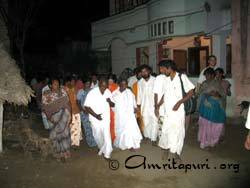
(94, 85)
(158, 89)
(131, 81)
(127, 131)
(145, 98)
(248, 119)
(101, 129)
(173, 129)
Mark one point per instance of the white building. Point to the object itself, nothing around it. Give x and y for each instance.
(147, 31)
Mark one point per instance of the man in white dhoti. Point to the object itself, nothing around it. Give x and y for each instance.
(97, 104)
(247, 142)
(158, 91)
(128, 135)
(173, 129)
(145, 102)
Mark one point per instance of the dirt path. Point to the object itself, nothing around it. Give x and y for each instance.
(86, 169)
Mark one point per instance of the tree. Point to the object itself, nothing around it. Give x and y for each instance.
(19, 18)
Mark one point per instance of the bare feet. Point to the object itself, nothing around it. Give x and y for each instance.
(132, 149)
(177, 159)
(67, 155)
(165, 154)
(154, 143)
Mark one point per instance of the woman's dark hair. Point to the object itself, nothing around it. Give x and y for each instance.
(220, 70)
(209, 71)
(54, 79)
(168, 64)
(67, 79)
(113, 77)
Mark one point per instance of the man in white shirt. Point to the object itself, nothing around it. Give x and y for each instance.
(173, 129)
(145, 102)
(212, 61)
(97, 104)
(133, 79)
(158, 91)
(247, 143)
(94, 81)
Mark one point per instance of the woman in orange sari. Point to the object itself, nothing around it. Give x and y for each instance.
(112, 87)
(75, 126)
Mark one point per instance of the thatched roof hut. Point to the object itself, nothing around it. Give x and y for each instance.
(13, 88)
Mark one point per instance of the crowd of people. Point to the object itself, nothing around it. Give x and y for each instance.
(110, 112)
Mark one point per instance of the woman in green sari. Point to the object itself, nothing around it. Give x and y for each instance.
(211, 110)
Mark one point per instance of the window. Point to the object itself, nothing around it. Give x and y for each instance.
(125, 5)
(155, 29)
(159, 29)
(152, 30)
(171, 27)
(164, 28)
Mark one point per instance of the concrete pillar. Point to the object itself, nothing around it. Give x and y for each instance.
(240, 50)
(219, 49)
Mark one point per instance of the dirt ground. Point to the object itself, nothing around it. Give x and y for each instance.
(229, 165)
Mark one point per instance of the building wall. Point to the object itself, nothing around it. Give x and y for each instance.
(130, 30)
(134, 25)
(129, 26)
(133, 28)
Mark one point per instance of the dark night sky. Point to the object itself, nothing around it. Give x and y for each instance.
(57, 20)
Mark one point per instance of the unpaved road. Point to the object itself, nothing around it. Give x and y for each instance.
(86, 169)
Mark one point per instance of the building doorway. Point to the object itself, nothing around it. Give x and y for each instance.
(180, 58)
(197, 59)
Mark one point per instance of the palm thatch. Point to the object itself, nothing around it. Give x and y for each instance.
(13, 88)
